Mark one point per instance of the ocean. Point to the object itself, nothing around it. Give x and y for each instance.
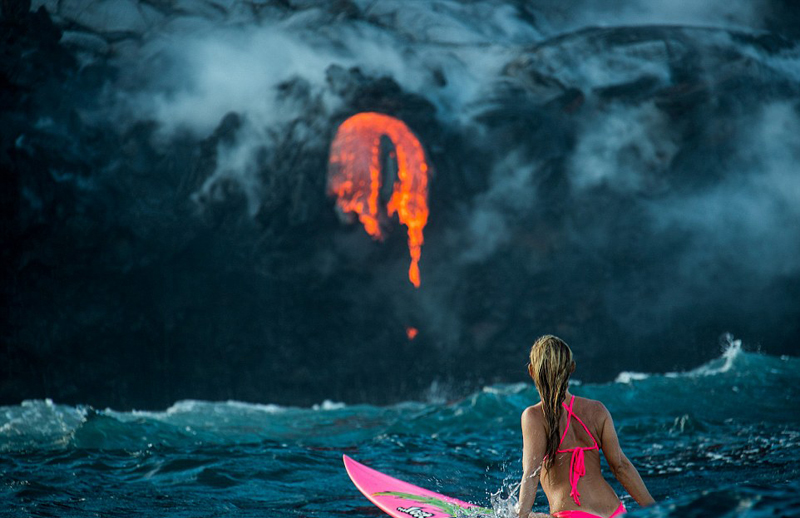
(720, 440)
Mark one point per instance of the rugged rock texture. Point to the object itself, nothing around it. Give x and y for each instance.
(633, 189)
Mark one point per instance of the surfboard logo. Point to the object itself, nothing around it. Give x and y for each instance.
(448, 508)
(416, 512)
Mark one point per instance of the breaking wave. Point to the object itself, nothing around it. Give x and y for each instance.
(736, 384)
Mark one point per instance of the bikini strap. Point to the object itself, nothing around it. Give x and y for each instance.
(585, 428)
(577, 463)
(570, 414)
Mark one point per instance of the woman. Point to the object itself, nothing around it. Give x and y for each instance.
(564, 449)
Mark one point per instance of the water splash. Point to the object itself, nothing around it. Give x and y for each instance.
(731, 351)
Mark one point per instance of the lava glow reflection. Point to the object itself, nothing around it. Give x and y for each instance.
(355, 177)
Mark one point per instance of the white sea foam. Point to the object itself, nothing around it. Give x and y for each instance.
(38, 423)
(630, 376)
(194, 407)
(731, 350)
(437, 393)
(329, 405)
(513, 388)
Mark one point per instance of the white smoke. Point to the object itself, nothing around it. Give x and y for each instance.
(623, 147)
(206, 69)
(511, 190)
(746, 15)
(190, 71)
(191, 67)
(750, 218)
(228, 69)
(736, 236)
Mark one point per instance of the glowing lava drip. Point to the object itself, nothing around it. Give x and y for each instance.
(355, 177)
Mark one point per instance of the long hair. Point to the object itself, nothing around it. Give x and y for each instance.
(551, 365)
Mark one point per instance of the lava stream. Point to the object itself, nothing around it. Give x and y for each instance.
(355, 177)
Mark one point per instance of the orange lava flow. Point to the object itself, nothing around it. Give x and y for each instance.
(411, 332)
(355, 177)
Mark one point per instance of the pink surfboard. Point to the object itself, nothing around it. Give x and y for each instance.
(403, 500)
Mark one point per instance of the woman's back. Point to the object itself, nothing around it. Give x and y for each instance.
(575, 481)
(561, 441)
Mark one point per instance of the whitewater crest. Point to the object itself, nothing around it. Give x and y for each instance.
(731, 351)
(43, 424)
(738, 379)
(39, 423)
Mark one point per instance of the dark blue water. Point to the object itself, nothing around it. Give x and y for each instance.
(721, 440)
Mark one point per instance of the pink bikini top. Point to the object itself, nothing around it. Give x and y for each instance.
(577, 467)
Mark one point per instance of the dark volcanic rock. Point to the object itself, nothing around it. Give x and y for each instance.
(580, 195)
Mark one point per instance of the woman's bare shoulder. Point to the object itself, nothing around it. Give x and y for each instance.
(593, 409)
(533, 414)
(594, 414)
(591, 404)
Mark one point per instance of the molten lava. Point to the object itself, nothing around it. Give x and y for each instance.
(355, 177)
(411, 332)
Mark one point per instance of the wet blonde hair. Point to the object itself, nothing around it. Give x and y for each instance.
(551, 365)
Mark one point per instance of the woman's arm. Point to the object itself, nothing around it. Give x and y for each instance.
(620, 466)
(533, 448)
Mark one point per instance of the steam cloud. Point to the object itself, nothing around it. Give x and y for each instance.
(596, 163)
(200, 68)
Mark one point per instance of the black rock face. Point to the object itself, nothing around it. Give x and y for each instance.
(627, 188)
